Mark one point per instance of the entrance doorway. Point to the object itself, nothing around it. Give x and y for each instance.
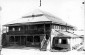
(23, 40)
(17, 40)
(37, 41)
(33, 41)
(14, 40)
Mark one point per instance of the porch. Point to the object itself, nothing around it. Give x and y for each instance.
(28, 40)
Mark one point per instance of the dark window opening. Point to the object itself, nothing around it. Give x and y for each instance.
(55, 41)
(30, 38)
(47, 37)
(17, 38)
(11, 39)
(64, 41)
(36, 39)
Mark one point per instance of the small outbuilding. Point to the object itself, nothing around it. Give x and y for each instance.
(65, 41)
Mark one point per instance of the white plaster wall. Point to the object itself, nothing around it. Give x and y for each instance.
(76, 42)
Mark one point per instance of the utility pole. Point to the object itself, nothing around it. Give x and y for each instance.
(0, 31)
(84, 23)
(40, 3)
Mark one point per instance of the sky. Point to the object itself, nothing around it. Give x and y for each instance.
(71, 11)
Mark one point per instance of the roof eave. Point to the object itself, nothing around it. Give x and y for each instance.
(29, 23)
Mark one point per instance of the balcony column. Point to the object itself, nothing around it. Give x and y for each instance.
(20, 40)
(14, 40)
(6, 29)
(26, 40)
(7, 37)
(84, 25)
(33, 40)
(50, 35)
(23, 29)
(44, 28)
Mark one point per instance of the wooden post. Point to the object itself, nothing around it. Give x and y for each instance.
(84, 26)
(0, 30)
(23, 29)
(33, 40)
(20, 40)
(40, 3)
(44, 28)
(50, 36)
(14, 40)
(7, 37)
(8, 40)
(26, 40)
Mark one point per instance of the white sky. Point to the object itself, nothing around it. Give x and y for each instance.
(71, 11)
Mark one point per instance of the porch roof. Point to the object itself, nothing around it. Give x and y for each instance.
(64, 34)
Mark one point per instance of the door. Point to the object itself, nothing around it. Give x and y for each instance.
(17, 40)
(37, 41)
(23, 40)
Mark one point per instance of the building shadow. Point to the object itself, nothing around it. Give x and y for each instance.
(22, 48)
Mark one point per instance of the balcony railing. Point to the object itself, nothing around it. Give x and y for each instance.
(30, 31)
(25, 32)
(41, 31)
(15, 32)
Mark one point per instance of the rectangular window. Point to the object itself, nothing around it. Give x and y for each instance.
(10, 28)
(56, 41)
(64, 41)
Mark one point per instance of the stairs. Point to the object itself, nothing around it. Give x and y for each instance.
(44, 45)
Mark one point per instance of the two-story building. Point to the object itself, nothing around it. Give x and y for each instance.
(33, 30)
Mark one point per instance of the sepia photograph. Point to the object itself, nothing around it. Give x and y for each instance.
(42, 27)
